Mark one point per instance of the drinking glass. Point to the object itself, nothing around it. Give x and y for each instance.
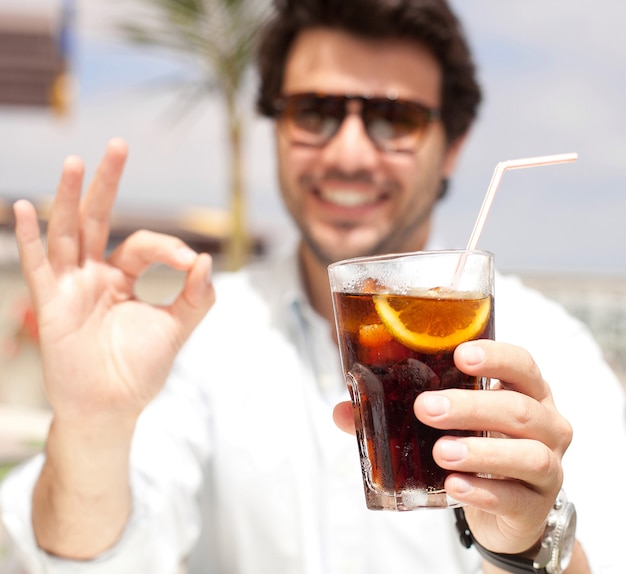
(399, 319)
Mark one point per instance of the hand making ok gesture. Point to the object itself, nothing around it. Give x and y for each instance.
(104, 351)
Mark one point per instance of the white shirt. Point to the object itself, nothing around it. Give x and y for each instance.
(238, 464)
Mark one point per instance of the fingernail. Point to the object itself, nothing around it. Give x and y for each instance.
(452, 450)
(458, 484)
(435, 405)
(472, 354)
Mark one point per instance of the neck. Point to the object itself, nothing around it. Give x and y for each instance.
(315, 272)
(316, 283)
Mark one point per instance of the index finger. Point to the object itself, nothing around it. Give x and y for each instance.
(511, 365)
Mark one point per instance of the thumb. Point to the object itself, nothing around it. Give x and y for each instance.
(343, 417)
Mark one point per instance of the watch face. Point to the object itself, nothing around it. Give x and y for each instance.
(565, 542)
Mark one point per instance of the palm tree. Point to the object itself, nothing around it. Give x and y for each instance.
(221, 34)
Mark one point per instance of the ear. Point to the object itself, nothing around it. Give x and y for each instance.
(452, 154)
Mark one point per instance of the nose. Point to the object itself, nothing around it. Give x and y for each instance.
(351, 149)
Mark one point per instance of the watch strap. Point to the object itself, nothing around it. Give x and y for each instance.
(513, 563)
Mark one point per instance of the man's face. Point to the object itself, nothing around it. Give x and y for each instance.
(348, 197)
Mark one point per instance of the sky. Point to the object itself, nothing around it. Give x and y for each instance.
(554, 81)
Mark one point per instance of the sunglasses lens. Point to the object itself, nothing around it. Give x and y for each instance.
(313, 119)
(395, 125)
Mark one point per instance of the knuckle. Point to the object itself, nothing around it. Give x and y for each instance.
(524, 362)
(529, 366)
(523, 411)
(544, 462)
(565, 433)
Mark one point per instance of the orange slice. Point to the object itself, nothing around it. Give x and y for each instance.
(432, 324)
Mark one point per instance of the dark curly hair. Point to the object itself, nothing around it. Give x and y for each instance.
(430, 22)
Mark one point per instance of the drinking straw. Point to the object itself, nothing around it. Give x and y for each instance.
(495, 181)
(491, 192)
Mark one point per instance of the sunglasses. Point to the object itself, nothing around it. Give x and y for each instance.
(393, 124)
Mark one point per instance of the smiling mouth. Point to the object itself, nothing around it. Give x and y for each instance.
(350, 197)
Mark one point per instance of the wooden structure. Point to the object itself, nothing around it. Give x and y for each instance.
(33, 56)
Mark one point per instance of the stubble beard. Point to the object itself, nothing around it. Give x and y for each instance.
(393, 242)
(404, 236)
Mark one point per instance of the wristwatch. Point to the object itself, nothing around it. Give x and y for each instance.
(556, 548)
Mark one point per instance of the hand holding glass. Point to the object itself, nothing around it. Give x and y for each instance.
(399, 319)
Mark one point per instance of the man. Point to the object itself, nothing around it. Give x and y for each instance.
(372, 100)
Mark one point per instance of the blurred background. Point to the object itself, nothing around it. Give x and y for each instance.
(73, 74)
(554, 76)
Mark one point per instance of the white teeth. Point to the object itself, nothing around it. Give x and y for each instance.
(348, 198)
